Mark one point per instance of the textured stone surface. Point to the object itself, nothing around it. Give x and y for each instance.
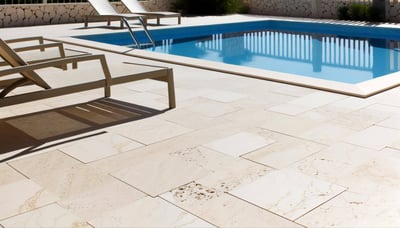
(43, 14)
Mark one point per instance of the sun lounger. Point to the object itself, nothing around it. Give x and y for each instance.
(49, 81)
(104, 10)
(34, 49)
(135, 7)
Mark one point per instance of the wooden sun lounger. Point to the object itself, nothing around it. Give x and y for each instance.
(133, 6)
(52, 84)
(104, 10)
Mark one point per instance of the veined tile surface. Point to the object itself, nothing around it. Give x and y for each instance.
(222, 209)
(295, 196)
(22, 196)
(239, 144)
(100, 146)
(148, 212)
(48, 216)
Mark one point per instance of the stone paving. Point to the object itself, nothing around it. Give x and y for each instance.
(236, 152)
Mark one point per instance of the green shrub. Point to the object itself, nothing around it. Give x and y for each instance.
(343, 13)
(360, 12)
(209, 7)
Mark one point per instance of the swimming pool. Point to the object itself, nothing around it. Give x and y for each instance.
(344, 55)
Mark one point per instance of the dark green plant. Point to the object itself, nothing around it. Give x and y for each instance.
(358, 12)
(375, 14)
(209, 7)
(343, 13)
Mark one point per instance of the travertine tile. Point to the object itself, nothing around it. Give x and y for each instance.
(149, 130)
(289, 109)
(239, 144)
(146, 85)
(46, 125)
(383, 169)
(391, 122)
(374, 137)
(101, 146)
(372, 207)
(327, 133)
(284, 151)
(48, 216)
(285, 124)
(158, 173)
(83, 189)
(335, 163)
(212, 108)
(22, 196)
(9, 175)
(222, 209)
(224, 96)
(317, 99)
(148, 212)
(295, 196)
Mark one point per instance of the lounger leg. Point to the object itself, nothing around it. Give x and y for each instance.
(171, 89)
(86, 21)
(158, 20)
(179, 20)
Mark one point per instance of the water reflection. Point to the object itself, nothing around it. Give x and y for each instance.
(316, 55)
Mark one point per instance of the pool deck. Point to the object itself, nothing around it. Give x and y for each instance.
(235, 152)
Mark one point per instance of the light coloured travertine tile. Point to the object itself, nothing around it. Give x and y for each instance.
(391, 122)
(146, 99)
(48, 216)
(239, 144)
(98, 147)
(289, 109)
(146, 85)
(41, 126)
(159, 173)
(327, 133)
(9, 175)
(358, 120)
(284, 151)
(352, 103)
(383, 169)
(22, 196)
(372, 207)
(335, 163)
(317, 99)
(374, 137)
(224, 172)
(150, 130)
(148, 212)
(285, 124)
(212, 108)
(101, 199)
(222, 209)
(191, 119)
(224, 96)
(81, 188)
(287, 193)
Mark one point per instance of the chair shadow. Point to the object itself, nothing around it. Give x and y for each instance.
(56, 126)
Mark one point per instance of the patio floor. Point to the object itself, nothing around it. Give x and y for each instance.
(236, 152)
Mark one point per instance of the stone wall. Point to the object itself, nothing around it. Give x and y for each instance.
(43, 14)
(291, 8)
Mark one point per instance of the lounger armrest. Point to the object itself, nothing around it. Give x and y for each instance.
(58, 45)
(57, 62)
(40, 39)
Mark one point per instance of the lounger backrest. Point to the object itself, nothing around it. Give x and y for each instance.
(9, 55)
(133, 5)
(14, 60)
(103, 7)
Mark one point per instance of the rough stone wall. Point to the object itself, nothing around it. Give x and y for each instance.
(294, 8)
(328, 8)
(43, 14)
(393, 12)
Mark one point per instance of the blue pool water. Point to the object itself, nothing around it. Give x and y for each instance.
(342, 53)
